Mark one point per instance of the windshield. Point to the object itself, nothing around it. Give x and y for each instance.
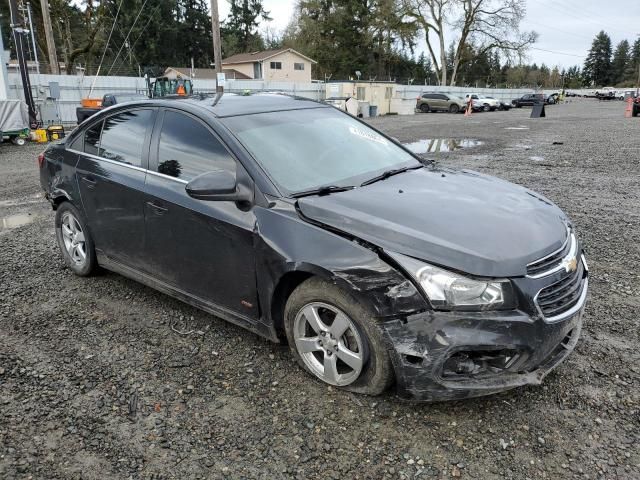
(305, 149)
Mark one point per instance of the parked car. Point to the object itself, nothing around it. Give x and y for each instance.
(304, 224)
(110, 99)
(528, 100)
(551, 99)
(502, 105)
(635, 109)
(486, 104)
(434, 102)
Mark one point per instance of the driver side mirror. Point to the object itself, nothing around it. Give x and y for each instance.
(219, 185)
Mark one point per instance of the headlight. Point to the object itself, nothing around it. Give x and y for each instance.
(451, 291)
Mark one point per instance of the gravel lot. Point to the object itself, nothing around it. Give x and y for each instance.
(96, 381)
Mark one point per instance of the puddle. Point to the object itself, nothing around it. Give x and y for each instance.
(537, 159)
(15, 221)
(521, 127)
(435, 145)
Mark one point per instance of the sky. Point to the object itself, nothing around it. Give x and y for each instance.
(566, 28)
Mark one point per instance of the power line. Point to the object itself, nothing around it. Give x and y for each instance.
(106, 45)
(558, 53)
(127, 38)
(549, 27)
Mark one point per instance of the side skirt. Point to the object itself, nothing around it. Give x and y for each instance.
(232, 317)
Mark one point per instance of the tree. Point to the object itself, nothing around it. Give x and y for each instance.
(619, 62)
(632, 70)
(349, 36)
(240, 29)
(597, 66)
(488, 25)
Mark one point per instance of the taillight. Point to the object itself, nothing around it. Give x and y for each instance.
(41, 160)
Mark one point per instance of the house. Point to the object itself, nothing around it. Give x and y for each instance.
(203, 73)
(284, 64)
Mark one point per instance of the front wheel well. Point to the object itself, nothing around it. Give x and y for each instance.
(287, 284)
(57, 201)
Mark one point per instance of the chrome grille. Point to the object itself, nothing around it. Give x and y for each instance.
(558, 299)
(554, 261)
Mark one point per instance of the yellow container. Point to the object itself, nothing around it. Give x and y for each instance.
(41, 135)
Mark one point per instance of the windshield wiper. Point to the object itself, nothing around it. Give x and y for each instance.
(389, 173)
(324, 190)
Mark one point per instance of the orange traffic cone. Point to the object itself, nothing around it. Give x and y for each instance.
(629, 110)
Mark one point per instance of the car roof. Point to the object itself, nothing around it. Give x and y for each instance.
(230, 104)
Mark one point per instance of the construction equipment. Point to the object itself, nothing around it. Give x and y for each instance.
(164, 86)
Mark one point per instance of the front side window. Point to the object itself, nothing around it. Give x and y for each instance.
(123, 136)
(306, 149)
(298, 66)
(276, 65)
(187, 148)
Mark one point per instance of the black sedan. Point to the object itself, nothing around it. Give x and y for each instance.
(305, 225)
(528, 100)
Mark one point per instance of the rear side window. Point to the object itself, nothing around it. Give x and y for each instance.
(187, 148)
(123, 136)
(92, 139)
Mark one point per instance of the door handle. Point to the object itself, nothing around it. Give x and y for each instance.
(89, 180)
(159, 209)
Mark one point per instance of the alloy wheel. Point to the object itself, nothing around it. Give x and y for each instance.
(73, 238)
(329, 343)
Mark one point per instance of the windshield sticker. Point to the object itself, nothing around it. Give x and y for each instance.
(367, 135)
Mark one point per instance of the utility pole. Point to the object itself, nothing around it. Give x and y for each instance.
(18, 33)
(217, 47)
(48, 34)
(33, 39)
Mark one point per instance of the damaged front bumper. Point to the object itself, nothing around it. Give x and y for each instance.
(455, 355)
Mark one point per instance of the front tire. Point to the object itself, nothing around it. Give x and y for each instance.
(75, 241)
(486, 108)
(454, 109)
(333, 337)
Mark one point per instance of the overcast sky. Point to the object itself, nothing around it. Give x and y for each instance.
(566, 28)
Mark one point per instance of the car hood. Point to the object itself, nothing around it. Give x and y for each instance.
(462, 220)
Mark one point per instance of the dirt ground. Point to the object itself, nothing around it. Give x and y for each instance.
(102, 378)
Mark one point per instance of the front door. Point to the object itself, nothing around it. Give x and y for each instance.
(111, 172)
(203, 248)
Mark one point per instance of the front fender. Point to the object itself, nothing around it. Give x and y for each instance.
(286, 243)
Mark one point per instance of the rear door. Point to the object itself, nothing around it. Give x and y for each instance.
(111, 172)
(203, 248)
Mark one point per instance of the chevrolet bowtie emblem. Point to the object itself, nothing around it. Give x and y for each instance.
(571, 265)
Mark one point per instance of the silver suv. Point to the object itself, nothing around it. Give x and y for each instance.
(433, 102)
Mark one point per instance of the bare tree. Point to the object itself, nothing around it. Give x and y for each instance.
(483, 24)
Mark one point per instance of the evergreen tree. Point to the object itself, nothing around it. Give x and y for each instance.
(632, 70)
(597, 66)
(619, 62)
(240, 29)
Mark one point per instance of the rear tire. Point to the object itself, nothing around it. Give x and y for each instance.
(316, 340)
(424, 108)
(486, 108)
(454, 109)
(75, 241)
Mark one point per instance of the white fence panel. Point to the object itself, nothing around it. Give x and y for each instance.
(74, 88)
